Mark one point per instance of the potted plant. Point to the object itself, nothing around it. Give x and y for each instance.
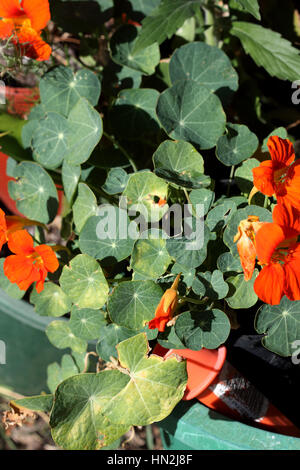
(160, 124)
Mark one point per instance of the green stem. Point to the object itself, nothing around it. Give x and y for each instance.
(121, 148)
(230, 180)
(266, 201)
(193, 301)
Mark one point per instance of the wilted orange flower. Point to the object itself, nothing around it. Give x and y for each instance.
(29, 263)
(245, 239)
(12, 223)
(23, 22)
(279, 176)
(278, 252)
(166, 308)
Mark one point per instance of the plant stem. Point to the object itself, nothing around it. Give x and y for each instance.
(230, 180)
(121, 148)
(193, 301)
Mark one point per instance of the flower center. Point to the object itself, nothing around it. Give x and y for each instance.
(280, 175)
(37, 259)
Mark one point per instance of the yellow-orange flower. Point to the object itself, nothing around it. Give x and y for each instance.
(166, 308)
(23, 22)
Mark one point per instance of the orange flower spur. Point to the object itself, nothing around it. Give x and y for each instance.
(29, 263)
(278, 252)
(279, 176)
(23, 23)
(245, 239)
(166, 308)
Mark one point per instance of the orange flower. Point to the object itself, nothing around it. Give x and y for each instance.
(29, 263)
(12, 223)
(23, 22)
(245, 239)
(279, 176)
(166, 307)
(279, 253)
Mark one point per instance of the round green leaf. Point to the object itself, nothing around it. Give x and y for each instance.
(206, 65)
(143, 192)
(86, 323)
(57, 373)
(238, 144)
(181, 161)
(85, 126)
(116, 181)
(52, 301)
(116, 246)
(181, 249)
(84, 282)
(50, 140)
(227, 263)
(133, 303)
(191, 112)
(70, 177)
(280, 325)
(110, 336)
(60, 89)
(150, 258)
(60, 335)
(241, 292)
(34, 192)
(77, 421)
(220, 215)
(155, 385)
(204, 329)
(202, 196)
(85, 206)
(122, 44)
(133, 114)
(211, 285)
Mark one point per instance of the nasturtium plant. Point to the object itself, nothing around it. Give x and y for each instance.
(155, 175)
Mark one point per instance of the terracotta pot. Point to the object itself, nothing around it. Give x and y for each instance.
(202, 367)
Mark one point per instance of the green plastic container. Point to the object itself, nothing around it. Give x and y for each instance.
(27, 349)
(193, 426)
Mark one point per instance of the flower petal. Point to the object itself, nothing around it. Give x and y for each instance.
(49, 257)
(20, 243)
(18, 268)
(247, 252)
(268, 237)
(292, 273)
(38, 11)
(281, 150)
(6, 29)
(32, 45)
(10, 8)
(269, 284)
(263, 178)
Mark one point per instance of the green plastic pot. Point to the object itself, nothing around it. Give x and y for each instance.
(193, 426)
(27, 349)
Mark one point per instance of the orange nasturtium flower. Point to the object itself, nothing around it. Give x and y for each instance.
(29, 263)
(12, 223)
(245, 239)
(166, 308)
(23, 22)
(279, 176)
(278, 252)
